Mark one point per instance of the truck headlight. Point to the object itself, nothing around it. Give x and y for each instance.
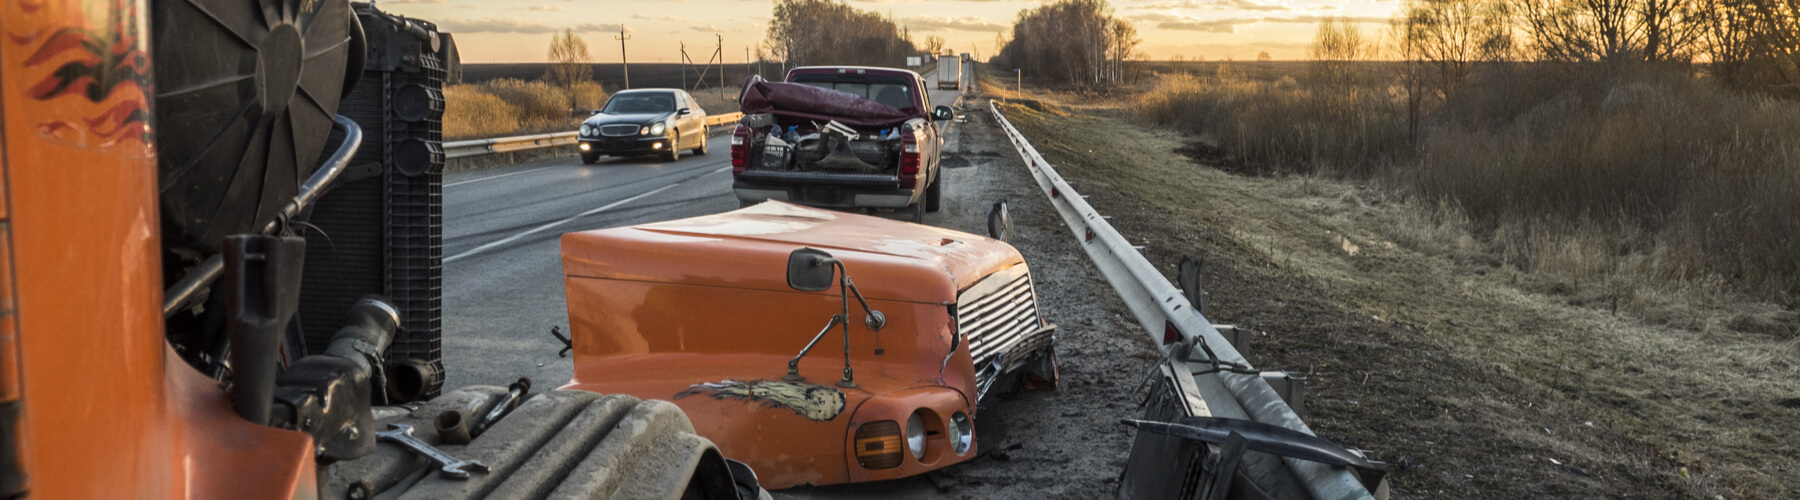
(964, 433)
(915, 436)
(657, 129)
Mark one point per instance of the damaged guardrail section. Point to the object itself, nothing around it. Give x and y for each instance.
(1181, 331)
(478, 147)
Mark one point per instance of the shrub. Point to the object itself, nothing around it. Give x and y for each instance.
(470, 113)
(540, 105)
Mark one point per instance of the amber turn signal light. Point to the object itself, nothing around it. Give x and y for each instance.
(878, 445)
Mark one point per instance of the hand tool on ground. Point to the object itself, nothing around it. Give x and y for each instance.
(453, 468)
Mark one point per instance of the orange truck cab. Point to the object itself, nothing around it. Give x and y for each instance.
(710, 312)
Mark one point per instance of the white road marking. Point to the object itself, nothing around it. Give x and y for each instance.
(472, 181)
(545, 227)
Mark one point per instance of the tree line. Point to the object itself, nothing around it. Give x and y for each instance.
(1749, 44)
(1071, 41)
(829, 32)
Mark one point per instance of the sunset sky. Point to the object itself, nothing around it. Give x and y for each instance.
(519, 31)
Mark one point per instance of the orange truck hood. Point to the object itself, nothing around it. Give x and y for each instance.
(748, 248)
(698, 311)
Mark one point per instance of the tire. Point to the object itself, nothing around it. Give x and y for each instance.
(590, 158)
(703, 142)
(935, 194)
(674, 151)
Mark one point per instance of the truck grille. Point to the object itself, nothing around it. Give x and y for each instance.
(999, 317)
(618, 130)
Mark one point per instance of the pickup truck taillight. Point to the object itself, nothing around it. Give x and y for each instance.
(909, 163)
(740, 150)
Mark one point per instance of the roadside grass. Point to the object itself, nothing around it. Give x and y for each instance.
(508, 106)
(1644, 179)
(1497, 381)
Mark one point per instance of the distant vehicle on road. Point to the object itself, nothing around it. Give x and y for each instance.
(950, 72)
(644, 121)
(965, 57)
(842, 137)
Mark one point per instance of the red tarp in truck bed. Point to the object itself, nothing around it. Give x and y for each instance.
(814, 103)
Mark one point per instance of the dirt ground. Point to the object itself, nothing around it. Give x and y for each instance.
(1476, 380)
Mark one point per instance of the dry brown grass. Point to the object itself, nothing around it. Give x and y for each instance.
(1635, 178)
(470, 113)
(510, 106)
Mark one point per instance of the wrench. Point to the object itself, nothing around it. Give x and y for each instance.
(454, 468)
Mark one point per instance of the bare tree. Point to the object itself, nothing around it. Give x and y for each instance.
(569, 63)
(828, 32)
(1335, 46)
(934, 45)
(1264, 56)
(1615, 30)
(1076, 41)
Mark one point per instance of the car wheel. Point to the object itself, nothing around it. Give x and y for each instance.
(703, 142)
(674, 152)
(934, 194)
(590, 159)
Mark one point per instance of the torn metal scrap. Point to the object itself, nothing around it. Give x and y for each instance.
(1261, 437)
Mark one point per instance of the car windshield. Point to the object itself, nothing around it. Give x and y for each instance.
(890, 92)
(624, 104)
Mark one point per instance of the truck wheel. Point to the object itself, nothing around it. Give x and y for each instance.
(934, 194)
(674, 151)
(703, 142)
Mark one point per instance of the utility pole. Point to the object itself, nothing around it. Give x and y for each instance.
(684, 65)
(720, 49)
(626, 67)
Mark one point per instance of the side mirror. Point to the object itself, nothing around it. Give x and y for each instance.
(810, 270)
(942, 113)
(595, 112)
(999, 222)
(685, 111)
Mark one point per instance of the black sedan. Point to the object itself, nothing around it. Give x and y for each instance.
(642, 122)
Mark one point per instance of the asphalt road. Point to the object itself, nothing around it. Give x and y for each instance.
(503, 287)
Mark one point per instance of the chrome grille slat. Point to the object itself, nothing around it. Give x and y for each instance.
(999, 316)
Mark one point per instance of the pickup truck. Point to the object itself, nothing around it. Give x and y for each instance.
(840, 137)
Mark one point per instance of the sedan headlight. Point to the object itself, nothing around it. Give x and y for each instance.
(657, 129)
(587, 129)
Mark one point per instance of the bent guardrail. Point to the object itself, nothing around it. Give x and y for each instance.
(478, 147)
(1177, 327)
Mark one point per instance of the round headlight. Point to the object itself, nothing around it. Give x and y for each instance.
(657, 129)
(587, 129)
(964, 433)
(915, 436)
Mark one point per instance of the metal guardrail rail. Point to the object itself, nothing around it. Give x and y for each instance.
(478, 147)
(1162, 310)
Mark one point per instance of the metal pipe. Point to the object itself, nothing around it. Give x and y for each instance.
(793, 374)
(189, 286)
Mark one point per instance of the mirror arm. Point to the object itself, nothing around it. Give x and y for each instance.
(844, 321)
(875, 320)
(793, 374)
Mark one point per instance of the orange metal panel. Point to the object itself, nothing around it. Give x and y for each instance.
(109, 410)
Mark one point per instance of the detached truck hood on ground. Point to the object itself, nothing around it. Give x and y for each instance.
(699, 311)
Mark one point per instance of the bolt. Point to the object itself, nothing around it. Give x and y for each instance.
(307, 424)
(352, 433)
